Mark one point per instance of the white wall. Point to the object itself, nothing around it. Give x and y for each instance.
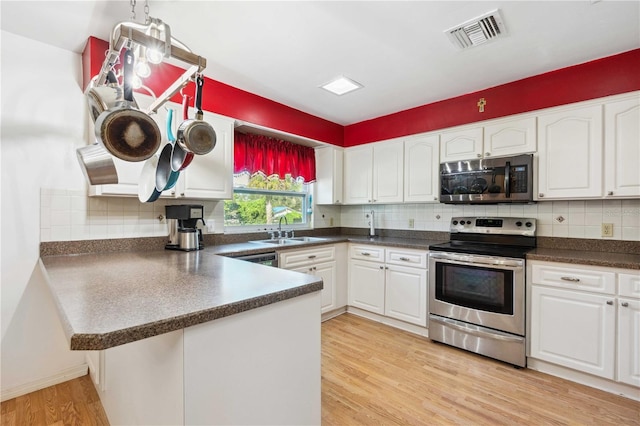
(42, 118)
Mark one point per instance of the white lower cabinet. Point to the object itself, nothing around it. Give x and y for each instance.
(390, 282)
(586, 318)
(326, 262)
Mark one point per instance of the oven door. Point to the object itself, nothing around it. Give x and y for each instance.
(483, 290)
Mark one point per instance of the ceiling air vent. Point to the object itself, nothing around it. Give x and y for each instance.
(478, 30)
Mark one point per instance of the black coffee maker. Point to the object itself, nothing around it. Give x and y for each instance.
(183, 230)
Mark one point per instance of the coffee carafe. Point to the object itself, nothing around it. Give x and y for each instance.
(183, 230)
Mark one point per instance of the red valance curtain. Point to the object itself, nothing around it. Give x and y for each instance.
(258, 153)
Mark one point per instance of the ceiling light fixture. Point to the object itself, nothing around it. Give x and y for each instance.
(341, 85)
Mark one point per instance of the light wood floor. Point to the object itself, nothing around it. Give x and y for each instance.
(373, 374)
(74, 402)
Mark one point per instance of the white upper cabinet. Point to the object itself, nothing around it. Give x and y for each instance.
(210, 176)
(497, 138)
(510, 137)
(358, 174)
(329, 166)
(373, 173)
(461, 144)
(622, 147)
(421, 164)
(570, 153)
(388, 162)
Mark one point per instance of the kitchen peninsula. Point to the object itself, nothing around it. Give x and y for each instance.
(162, 359)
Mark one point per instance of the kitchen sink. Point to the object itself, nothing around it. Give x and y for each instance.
(290, 241)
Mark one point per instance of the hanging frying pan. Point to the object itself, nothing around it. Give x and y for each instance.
(180, 157)
(166, 178)
(196, 135)
(126, 132)
(147, 192)
(101, 98)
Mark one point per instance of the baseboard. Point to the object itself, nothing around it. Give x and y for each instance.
(332, 314)
(606, 385)
(62, 376)
(411, 328)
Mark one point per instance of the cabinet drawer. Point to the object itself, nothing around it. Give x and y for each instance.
(629, 285)
(407, 257)
(364, 252)
(574, 278)
(295, 258)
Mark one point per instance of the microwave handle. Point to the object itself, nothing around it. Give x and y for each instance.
(507, 180)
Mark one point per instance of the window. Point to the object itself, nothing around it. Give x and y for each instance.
(270, 183)
(262, 200)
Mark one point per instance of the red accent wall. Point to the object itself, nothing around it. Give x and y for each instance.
(226, 100)
(603, 77)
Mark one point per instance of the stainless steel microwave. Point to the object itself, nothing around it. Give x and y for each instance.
(487, 181)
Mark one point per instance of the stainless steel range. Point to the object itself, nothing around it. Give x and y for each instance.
(477, 286)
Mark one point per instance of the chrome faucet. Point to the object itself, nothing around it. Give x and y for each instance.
(280, 227)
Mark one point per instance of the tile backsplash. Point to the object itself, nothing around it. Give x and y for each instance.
(67, 215)
(569, 219)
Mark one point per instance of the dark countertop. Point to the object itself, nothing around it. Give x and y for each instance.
(110, 299)
(595, 258)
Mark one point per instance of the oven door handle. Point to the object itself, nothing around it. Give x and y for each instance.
(498, 262)
(475, 330)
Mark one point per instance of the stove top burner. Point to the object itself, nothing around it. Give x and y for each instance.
(491, 236)
(517, 252)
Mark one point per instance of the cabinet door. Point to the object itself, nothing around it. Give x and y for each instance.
(327, 271)
(366, 286)
(406, 294)
(629, 341)
(465, 144)
(573, 329)
(358, 175)
(388, 164)
(622, 148)
(329, 166)
(421, 169)
(210, 176)
(570, 154)
(510, 137)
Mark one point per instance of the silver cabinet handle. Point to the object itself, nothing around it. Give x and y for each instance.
(624, 304)
(572, 279)
(310, 269)
(337, 201)
(364, 253)
(541, 195)
(609, 302)
(381, 267)
(311, 256)
(487, 154)
(405, 259)
(610, 193)
(369, 200)
(479, 155)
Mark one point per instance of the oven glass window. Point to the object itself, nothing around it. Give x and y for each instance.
(485, 289)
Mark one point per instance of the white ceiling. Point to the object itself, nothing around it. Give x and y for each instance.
(397, 50)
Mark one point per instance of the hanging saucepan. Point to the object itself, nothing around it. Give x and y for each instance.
(101, 98)
(197, 135)
(97, 165)
(478, 186)
(180, 157)
(166, 178)
(126, 132)
(147, 192)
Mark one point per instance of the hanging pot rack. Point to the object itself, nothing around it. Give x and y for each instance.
(125, 33)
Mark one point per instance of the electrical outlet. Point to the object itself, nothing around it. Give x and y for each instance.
(411, 223)
(607, 229)
(330, 221)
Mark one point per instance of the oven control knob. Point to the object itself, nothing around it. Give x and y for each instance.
(518, 223)
(528, 224)
(455, 222)
(468, 222)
